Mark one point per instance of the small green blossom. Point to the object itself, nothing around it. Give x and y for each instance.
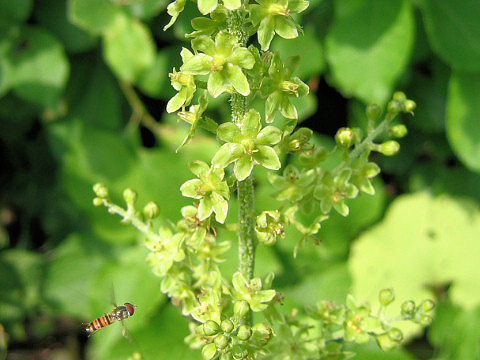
(174, 9)
(222, 60)
(165, 250)
(205, 26)
(332, 191)
(184, 84)
(364, 172)
(192, 227)
(251, 292)
(194, 116)
(210, 188)
(269, 227)
(274, 16)
(293, 185)
(247, 145)
(358, 322)
(280, 86)
(208, 309)
(296, 141)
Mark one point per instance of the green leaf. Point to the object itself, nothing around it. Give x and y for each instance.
(52, 14)
(453, 30)
(463, 118)
(94, 16)
(422, 240)
(128, 48)
(40, 70)
(369, 46)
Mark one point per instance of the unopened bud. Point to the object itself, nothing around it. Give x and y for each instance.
(345, 137)
(151, 210)
(408, 308)
(244, 332)
(241, 308)
(239, 352)
(97, 201)
(386, 296)
(210, 328)
(227, 326)
(399, 96)
(221, 341)
(427, 305)
(262, 331)
(426, 320)
(373, 112)
(100, 190)
(399, 131)
(409, 106)
(130, 196)
(389, 148)
(394, 107)
(395, 334)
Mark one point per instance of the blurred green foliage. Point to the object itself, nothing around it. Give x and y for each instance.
(67, 122)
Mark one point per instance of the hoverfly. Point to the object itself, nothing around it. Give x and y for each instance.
(119, 313)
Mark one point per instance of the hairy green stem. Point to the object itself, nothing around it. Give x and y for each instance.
(236, 23)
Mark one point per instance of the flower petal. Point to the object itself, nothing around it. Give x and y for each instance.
(242, 57)
(267, 157)
(197, 65)
(265, 33)
(238, 79)
(286, 27)
(243, 167)
(228, 132)
(269, 135)
(190, 187)
(205, 208)
(228, 153)
(199, 168)
(207, 6)
(204, 44)
(220, 207)
(217, 83)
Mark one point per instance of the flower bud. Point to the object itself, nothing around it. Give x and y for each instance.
(227, 326)
(389, 148)
(262, 331)
(425, 320)
(241, 308)
(395, 334)
(386, 297)
(209, 351)
(427, 305)
(239, 352)
(244, 332)
(394, 107)
(97, 201)
(399, 131)
(399, 96)
(100, 190)
(210, 328)
(408, 308)
(409, 106)
(130, 196)
(151, 210)
(221, 341)
(373, 112)
(345, 137)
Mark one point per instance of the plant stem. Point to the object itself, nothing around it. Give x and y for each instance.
(236, 24)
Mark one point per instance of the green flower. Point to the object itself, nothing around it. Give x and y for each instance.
(208, 306)
(247, 145)
(274, 16)
(165, 250)
(193, 228)
(210, 189)
(358, 322)
(332, 191)
(184, 84)
(269, 226)
(298, 141)
(251, 292)
(293, 185)
(280, 86)
(205, 26)
(363, 173)
(174, 9)
(194, 116)
(223, 61)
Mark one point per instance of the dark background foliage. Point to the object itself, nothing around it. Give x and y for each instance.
(67, 72)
